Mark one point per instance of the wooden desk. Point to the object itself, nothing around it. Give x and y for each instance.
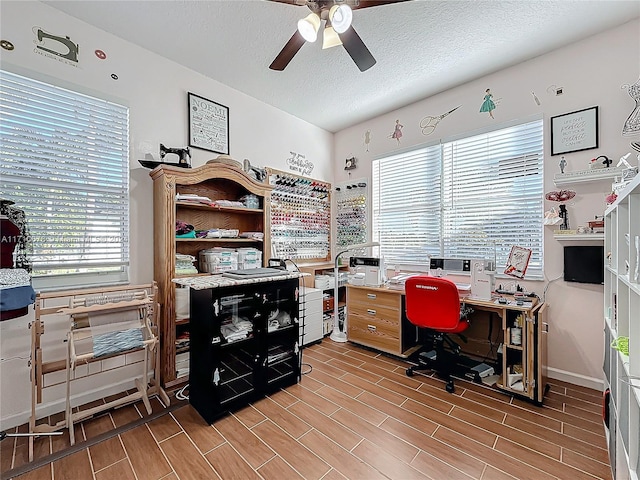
(376, 319)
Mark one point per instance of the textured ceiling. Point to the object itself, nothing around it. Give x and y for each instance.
(422, 47)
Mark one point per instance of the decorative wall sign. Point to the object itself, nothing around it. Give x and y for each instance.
(208, 125)
(397, 131)
(518, 261)
(575, 131)
(535, 98)
(488, 105)
(632, 124)
(429, 123)
(56, 47)
(298, 163)
(351, 163)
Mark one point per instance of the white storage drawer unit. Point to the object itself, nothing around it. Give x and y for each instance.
(310, 315)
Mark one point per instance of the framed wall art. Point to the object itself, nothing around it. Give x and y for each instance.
(518, 261)
(208, 125)
(575, 131)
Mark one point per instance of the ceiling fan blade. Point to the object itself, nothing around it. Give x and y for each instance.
(288, 52)
(357, 50)
(370, 3)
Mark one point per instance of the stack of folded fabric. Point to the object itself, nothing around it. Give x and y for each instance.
(218, 233)
(16, 291)
(184, 230)
(185, 264)
(193, 198)
(253, 235)
(237, 329)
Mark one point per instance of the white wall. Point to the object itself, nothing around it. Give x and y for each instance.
(155, 90)
(591, 72)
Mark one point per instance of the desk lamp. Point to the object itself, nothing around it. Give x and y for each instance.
(337, 335)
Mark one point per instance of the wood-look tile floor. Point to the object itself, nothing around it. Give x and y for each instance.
(354, 415)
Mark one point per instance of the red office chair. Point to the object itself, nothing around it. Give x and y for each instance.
(434, 303)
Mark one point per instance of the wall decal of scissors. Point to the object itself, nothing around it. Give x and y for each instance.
(429, 123)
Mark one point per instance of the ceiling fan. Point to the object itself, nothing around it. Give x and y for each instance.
(337, 15)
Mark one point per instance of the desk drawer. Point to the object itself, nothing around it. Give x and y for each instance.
(374, 298)
(375, 326)
(377, 333)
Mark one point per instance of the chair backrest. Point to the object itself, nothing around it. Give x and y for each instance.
(432, 302)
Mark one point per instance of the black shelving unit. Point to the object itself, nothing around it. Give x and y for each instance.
(230, 369)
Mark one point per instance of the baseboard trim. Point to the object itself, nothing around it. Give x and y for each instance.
(37, 463)
(576, 378)
(59, 405)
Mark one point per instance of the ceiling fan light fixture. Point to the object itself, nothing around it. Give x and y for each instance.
(340, 17)
(330, 38)
(309, 26)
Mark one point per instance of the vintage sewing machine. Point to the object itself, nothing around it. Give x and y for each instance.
(184, 158)
(58, 48)
(183, 154)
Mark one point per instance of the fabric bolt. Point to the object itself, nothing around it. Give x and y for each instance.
(13, 298)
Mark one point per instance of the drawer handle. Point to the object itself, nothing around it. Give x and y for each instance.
(372, 328)
(371, 295)
(371, 312)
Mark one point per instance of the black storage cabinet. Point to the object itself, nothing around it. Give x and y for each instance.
(227, 373)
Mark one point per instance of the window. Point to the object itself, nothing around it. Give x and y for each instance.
(64, 160)
(473, 197)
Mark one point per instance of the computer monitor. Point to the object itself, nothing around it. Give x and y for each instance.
(584, 264)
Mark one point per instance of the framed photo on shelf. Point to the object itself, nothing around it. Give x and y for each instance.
(208, 124)
(575, 131)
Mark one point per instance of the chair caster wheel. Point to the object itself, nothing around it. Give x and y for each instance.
(449, 387)
(409, 372)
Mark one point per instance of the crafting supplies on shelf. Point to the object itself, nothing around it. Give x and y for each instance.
(300, 217)
(351, 217)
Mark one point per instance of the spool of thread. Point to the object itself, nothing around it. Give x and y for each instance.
(516, 336)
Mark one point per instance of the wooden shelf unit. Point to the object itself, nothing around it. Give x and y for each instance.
(217, 181)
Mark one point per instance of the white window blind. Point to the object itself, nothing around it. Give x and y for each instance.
(407, 205)
(65, 162)
(490, 198)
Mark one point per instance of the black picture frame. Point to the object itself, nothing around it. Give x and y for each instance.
(574, 131)
(208, 124)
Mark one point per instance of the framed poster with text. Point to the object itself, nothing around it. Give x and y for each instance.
(208, 125)
(575, 131)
